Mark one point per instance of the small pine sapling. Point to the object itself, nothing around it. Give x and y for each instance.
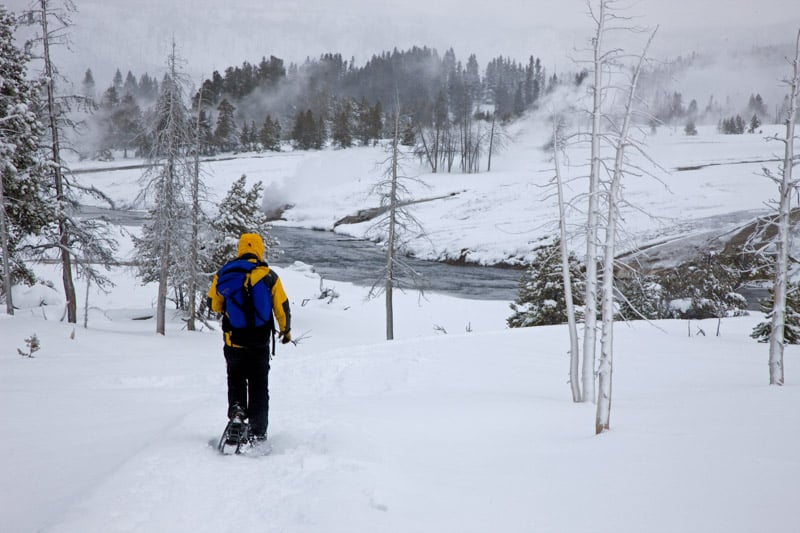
(32, 343)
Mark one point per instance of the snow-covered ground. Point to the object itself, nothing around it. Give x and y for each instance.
(107, 428)
(464, 431)
(501, 215)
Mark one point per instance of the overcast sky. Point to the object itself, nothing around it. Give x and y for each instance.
(214, 34)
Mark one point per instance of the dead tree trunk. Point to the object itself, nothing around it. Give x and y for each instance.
(190, 324)
(592, 222)
(393, 205)
(787, 188)
(605, 368)
(58, 178)
(5, 252)
(574, 350)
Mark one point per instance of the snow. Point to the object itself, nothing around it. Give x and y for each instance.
(107, 428)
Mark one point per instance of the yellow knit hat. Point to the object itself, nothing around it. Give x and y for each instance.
(251, 243)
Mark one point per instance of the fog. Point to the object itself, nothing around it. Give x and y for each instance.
(213, 35)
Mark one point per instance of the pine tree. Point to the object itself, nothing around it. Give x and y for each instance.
(206, 136)
(755, 123)
(244, 137)
(225, 134)
(690, 128)
(541, 300)
(131, 87)
(88, 85)
(24, 209)
(703, 288)
(642, 297)
(240, 212)
(305, 131)
(791, 328)
(117, 82)
(270, 135)
(342, 130)
(125, 126)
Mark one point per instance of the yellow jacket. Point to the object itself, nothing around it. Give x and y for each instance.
(251, 247)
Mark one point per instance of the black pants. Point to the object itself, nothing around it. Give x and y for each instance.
(248, 384)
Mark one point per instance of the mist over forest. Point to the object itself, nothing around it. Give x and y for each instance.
(332, 100)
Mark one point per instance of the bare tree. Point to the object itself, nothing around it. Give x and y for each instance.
(196, 213)
(497, 138)
(397, 222)
(599, 60)
(604, 371)
(6, 256)
(81, 240)
(787, 186)
(58, 177)
(574, 347)
(166, 179)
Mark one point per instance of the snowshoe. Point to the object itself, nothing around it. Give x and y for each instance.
(236, 434)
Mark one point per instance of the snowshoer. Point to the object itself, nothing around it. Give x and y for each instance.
(247, 292)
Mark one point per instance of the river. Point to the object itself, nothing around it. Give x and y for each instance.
(342, 258)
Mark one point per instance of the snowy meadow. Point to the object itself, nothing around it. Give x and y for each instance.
(459, 424)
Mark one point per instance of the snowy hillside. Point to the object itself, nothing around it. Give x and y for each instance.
(707, 186)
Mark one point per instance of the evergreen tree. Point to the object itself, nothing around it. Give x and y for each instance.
(541, 290)
(148, 88)
(206, 135)
(270, 135)
(306, 131)
(703, 288)
(240, 212)
(244, 137)
(755, 123)
(225, 134)
(131, 87)
(110, 99)
(690, 128)
(117, 83)
(342, 130)
(642, 297)
(126, 126)
(320, 133)
(88, 85)
(791, 328)
(24, 206)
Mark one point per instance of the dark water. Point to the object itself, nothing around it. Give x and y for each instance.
(341, 258)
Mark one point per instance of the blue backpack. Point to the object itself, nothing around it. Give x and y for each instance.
(248, 307)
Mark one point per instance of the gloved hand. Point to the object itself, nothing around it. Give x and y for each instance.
(285, 336)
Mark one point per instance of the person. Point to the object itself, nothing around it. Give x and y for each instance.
(247, 337)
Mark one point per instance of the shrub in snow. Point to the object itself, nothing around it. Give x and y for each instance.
(703, 288)
(791, 328)
(32, 343)
(641, 297)
(541, 290)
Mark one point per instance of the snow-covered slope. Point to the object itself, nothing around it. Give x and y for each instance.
(464, 431)
(709, 185)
